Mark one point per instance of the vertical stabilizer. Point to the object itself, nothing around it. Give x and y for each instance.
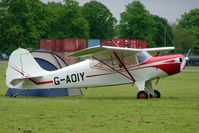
(22, 66)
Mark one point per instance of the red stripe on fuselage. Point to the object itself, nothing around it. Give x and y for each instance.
(95, 75)
(169, 66)
(31, 79)
(161, 58)
(21, 72)
(40, 83)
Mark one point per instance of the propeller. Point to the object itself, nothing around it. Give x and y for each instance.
(185, 58)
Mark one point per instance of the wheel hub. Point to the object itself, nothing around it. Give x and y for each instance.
(142, 96)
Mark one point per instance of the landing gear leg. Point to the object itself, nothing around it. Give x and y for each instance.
(146, 90)
(152, 93)
(142, 94)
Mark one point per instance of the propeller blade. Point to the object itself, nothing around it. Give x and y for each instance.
(188, 54)
(183, 63)
(185, 58)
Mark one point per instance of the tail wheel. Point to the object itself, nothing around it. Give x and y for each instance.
(158, 95)
(142, 95)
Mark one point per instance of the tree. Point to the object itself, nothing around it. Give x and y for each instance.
(137, 23)
(163, 35)
(101, 21)
(22, 24)
(190, 22)
(66, 21)
(55, 11)
(183, 40)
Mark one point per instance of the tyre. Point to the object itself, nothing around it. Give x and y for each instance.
(142, 95)
(158, 95)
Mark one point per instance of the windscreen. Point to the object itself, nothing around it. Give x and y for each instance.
(143, 56)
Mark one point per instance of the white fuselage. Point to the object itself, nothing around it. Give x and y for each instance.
(83, 74)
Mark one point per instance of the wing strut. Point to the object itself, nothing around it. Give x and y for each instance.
(122, 63)
(111, 67)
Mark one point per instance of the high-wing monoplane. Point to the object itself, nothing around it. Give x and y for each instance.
(104, 66)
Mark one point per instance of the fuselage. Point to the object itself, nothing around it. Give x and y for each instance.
(86, 74)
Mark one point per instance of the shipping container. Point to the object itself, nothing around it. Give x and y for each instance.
(71, 45)
(81, 43)
(130, 43)
(113, 42)
(141, 44)
(93, 42)
(106, 42)
(42, 44)
(59, 44)
(135, 43)
(144, 44)
(118, 42)
(48, 44)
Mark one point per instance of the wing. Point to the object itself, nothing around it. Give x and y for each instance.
(117, 59)
(109, 58)
(105, 52)
(155, 51)
(98, 50)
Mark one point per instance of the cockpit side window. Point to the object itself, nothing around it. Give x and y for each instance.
(143, 56)
(113, 62)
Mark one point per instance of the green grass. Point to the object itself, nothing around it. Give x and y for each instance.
(192, 68)
(106, 110)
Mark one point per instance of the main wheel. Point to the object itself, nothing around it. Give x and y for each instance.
(142, 95)
(158, 95)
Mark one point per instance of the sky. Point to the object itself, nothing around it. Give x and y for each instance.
(168, 9)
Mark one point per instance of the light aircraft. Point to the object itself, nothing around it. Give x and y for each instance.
(104, 66)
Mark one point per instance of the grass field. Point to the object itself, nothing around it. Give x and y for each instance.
(106, 110)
